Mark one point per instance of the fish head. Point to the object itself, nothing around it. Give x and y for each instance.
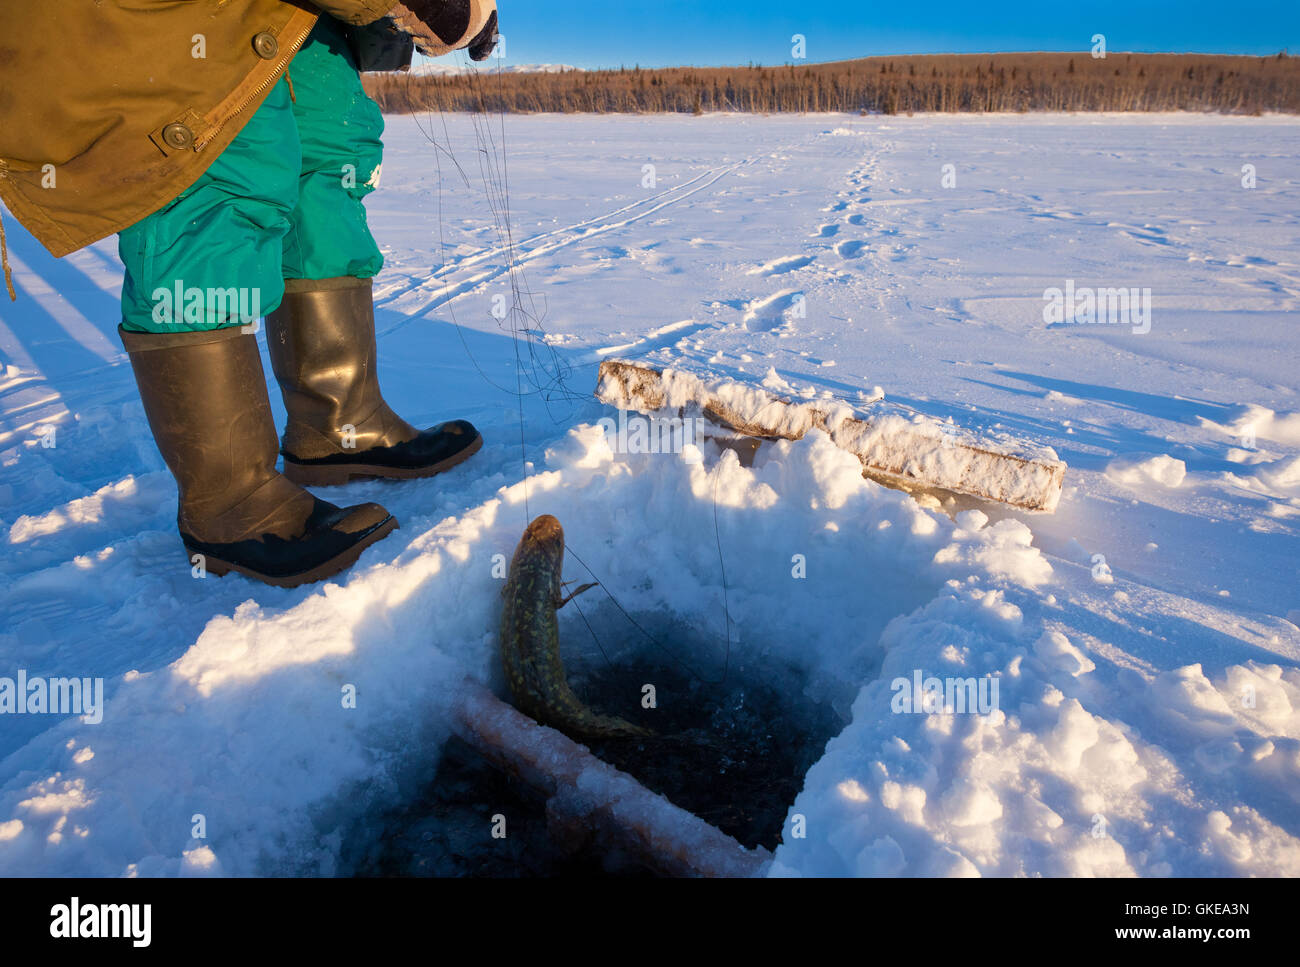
(544, 538)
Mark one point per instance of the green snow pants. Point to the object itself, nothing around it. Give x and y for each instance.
(282, 201)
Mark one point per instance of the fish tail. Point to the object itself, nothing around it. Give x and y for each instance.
(583, 721)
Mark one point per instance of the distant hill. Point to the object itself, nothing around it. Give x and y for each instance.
(441, 69)
(886, 85)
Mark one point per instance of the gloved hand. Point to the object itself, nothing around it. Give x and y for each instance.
(481, 46)
(440, 26)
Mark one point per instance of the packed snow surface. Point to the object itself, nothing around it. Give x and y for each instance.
(1142, 639)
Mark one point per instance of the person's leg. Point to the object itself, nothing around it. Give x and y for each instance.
(339, 129)
(225, 231)
(199, 272)
(322, 338)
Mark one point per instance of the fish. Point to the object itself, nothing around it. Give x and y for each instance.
(530, 639)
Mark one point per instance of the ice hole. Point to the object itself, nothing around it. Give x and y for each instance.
(817, 563)
(733, 752)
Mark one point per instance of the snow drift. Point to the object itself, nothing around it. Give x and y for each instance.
(249, 729)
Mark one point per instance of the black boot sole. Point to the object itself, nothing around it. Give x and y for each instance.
(335, 565)
(336, 474)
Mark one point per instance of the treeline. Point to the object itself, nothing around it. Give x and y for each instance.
(887, 85)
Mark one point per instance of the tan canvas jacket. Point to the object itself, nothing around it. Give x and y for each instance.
(108, 110)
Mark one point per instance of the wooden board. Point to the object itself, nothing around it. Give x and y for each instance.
(588, 799)
(892, 448)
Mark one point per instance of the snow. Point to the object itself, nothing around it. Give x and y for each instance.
(1253, 421)
(421, 65)
(1142, 637)
(1138, 471)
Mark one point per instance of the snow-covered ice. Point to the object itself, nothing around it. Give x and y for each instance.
(1142, 638)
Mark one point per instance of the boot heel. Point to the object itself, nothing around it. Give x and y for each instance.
(307, 476)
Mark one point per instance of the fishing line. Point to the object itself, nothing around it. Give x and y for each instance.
(726, 664)
(726, 606)
(505, 240)
(546, 372)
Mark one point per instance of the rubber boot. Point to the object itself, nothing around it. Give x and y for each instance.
(204, 395)
(322, 344)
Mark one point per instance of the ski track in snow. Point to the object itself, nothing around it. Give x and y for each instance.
(446, 288)
(1144, 637)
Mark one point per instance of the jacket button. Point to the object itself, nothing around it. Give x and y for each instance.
(266, 45)
(178, 135)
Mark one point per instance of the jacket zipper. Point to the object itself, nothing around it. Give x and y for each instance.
(199, 145)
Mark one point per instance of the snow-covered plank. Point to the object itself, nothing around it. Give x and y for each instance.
(588, 797)
(916, 452)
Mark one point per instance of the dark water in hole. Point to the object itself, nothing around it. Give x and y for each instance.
(735, 754)
(447, 830)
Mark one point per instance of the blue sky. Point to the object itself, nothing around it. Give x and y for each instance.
(609, 33)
